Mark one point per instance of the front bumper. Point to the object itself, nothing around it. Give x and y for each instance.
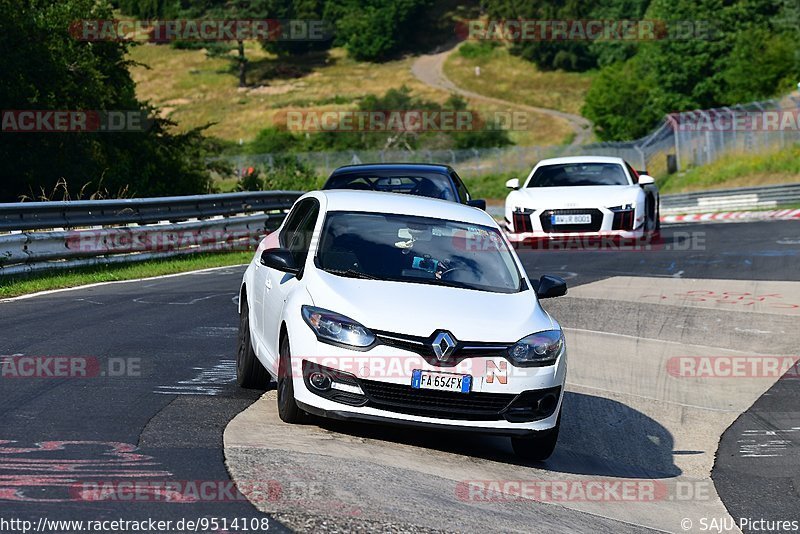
(529, 224)
(342, 415)
(384, 376)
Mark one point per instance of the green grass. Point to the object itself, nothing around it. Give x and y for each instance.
(491, 186)
(195, 90)
(516, 80)
(738, 170)
(12, 286)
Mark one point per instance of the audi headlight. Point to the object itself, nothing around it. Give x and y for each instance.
(542, 348)
(332, 327)
(625, 207)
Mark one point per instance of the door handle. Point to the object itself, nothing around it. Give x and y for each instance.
(269, 284)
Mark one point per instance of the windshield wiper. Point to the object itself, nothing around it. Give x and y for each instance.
(351, 273)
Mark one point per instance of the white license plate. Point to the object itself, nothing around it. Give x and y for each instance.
(578, 218)
(441, 381)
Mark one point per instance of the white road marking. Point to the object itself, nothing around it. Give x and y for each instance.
(114, 282)
(760, 443)
(141, 300)
(209, 382)
(751, 330)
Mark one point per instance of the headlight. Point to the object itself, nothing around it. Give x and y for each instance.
(542, 348)
(333, 327)
(625, 207)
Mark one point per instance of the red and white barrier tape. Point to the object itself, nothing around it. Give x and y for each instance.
(733, 216)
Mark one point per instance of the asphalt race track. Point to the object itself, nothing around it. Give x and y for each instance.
(159, 403)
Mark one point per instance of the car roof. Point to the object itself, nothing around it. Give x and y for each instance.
(411, 167)
(581, 159)
(380, 202)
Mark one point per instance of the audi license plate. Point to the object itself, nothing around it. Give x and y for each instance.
(574, 218)
(441, 381)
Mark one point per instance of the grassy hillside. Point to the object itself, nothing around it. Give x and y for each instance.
(194, 90)
(516, 80)
(738, 170)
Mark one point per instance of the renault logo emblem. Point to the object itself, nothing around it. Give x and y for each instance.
(443, 345)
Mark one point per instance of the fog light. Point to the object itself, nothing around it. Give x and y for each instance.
(320, 381)
(547, 403)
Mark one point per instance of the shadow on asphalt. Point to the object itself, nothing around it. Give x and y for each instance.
(599, 437)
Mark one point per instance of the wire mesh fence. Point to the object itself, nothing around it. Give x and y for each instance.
(681, 141)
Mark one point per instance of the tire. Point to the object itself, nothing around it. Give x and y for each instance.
(249, 371)
(653, 229)
(288, 410)
(650, 210)
(537, 448)
(658, 219)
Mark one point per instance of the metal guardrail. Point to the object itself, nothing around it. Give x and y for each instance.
(86, 233)
(100, 232)
(741, 198)
(71, 214)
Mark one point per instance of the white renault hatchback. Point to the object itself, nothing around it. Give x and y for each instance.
(395, 309)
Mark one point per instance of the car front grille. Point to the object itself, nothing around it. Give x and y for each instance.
(594, 226)
(439, 404)
(424, 347)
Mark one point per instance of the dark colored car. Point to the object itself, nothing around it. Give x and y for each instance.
(425, 180)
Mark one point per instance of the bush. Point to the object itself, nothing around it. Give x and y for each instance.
(619, 102)
(273, 141)
(477, 50)
(374, 30)
(286, 173)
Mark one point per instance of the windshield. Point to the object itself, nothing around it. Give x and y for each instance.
(421, 184)
(570, 174)
(407, 248)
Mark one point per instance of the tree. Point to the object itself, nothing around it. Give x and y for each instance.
(738, 52)
(375, 30)
(228, 10)
(54, 71)
(570, 55)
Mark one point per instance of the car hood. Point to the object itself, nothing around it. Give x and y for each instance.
(575, 196)
(420, 309)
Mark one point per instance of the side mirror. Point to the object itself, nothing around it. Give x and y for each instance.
(551, 286)
(280, 260)
(513, 183)
(477, 203)
(645, 179)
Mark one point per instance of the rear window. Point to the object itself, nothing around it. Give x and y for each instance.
(421, 184)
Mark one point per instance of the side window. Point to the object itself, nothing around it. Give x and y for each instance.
(461, 189)
(633, 173)
(300, 242)
(293, 220)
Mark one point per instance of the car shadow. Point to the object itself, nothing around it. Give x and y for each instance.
(598, 437)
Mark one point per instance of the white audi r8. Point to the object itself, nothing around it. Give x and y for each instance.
(406, 310)
(583, 196)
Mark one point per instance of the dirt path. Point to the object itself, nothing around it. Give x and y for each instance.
(429, 70)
